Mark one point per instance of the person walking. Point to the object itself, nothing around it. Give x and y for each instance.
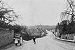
(34, 40)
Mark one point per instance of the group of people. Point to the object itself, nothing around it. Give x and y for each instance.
(18, 37)
(19, 40)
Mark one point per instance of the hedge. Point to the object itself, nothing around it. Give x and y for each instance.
(6, 37)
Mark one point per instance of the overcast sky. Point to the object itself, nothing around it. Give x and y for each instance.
(34, 12)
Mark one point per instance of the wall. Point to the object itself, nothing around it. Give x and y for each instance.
(6, 37)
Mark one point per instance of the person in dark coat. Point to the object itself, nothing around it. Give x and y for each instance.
(34, 40)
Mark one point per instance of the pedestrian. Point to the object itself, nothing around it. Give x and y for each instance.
(34, 40)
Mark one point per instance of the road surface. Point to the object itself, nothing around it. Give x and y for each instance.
(45, 43)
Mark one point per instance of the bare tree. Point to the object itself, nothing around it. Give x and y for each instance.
(7, 15)
(70, 11)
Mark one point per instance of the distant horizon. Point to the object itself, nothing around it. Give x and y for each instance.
(39, 25)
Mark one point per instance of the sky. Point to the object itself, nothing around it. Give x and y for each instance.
(35, 12)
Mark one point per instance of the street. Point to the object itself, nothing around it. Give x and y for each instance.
(45, 43)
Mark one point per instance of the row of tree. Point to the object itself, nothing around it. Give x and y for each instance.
(67, 26)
